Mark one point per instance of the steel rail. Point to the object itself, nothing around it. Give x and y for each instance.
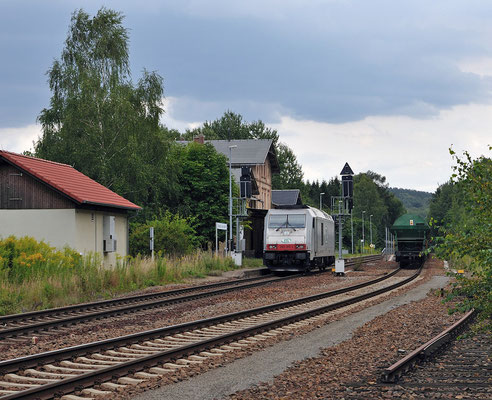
(394, 372)
(74, 319)
(15, 364)
(69, 385)
(103, 303)
(146, 301)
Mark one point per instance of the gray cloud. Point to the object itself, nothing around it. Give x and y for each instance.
(332, 61)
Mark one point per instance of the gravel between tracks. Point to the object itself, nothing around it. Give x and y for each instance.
(296, 369)
(204, 308)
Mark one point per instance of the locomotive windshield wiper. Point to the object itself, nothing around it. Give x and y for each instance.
(286, 225)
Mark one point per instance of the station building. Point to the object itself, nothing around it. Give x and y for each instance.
(259, 155)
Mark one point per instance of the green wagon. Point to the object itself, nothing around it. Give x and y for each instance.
(411, 233)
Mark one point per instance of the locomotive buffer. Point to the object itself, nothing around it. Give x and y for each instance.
(341, 207)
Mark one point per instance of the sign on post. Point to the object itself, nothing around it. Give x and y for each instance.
(152, 242)
(219, 226)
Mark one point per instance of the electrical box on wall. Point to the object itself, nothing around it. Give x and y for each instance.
(109, 234)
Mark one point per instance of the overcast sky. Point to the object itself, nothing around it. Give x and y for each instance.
(385, 85)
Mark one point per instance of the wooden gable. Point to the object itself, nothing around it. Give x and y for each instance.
(19, 190)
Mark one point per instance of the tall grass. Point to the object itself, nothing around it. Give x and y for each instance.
(34, 275)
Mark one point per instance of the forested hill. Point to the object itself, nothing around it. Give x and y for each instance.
(415, 201)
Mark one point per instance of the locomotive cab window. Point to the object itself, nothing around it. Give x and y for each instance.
(322, 234)
(295, 221)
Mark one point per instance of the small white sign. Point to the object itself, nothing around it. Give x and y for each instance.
(220, 226)
(411, 222)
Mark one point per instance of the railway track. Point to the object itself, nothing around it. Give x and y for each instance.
(25, 324)
(108, 363)
(463, 371)
(442, 367)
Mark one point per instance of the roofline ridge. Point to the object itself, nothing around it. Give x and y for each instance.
(35, 158)
(236, 140)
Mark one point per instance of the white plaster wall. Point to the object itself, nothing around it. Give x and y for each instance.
(87, 232)
(56, 227)
(81, 230)
(89, 236)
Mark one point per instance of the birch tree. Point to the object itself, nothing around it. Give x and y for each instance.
(99, 121)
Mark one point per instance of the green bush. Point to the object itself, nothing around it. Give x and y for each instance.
(173, 235)
(25, 258)
(34, 275)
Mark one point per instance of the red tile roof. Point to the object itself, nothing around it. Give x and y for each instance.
(66, 179)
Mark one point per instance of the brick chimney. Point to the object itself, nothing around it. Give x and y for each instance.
(199, 139)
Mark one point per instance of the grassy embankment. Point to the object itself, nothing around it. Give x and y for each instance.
(35, 276)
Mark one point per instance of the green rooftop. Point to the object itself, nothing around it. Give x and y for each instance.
(410, 221)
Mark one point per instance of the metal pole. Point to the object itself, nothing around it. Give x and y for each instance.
(321, 201)
(386, 241)
(352, 230)
(216, 242)
(340, 227)
(363, 238)
(370, 224)
(152, 241)
(229, 247)
(237, 235)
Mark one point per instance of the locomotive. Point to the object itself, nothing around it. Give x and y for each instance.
(411, 233)
(298, 239)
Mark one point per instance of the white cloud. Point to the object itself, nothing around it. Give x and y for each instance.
(411, 153)
(170, 121)
(480, 66)
(19, 139)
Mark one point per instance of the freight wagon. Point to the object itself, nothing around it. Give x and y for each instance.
(411, 233)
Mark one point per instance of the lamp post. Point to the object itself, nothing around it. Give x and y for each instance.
(363, 238)
(321, 201)
(370, 224)
(230, 197)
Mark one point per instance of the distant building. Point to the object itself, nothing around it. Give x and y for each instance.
(259, 154)
(288, 197)
(58, 204)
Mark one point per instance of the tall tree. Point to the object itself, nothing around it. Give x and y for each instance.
(465, 234)
(98, 120)
(291, 174)
(232, 126)
(204, 181)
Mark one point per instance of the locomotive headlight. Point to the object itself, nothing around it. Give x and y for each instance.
(271, 246)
